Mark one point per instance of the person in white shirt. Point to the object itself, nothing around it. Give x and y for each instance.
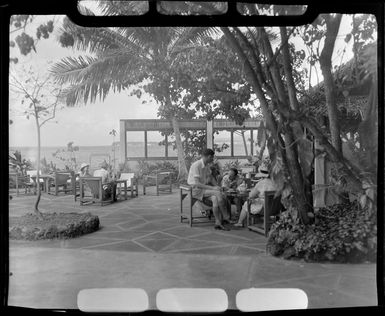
(200, 179)
(109, 185)
(257, 194)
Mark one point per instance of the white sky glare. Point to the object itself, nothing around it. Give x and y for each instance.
(90, 124)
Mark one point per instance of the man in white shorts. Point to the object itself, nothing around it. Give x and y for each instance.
(199, 178)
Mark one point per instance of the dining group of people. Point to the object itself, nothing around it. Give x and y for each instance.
(206, 186)
(108, 183)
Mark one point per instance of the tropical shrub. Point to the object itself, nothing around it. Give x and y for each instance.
(231, 164)
(68, 156)
(145, 168)
(47, 168)
(341, 233)
(20, 164)
(124, 168)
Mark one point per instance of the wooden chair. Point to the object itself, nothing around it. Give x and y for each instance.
(18, 182)
(132, 183)
(33, 173)
(159, 178)
(96, 191)
(271, 210)
(186, 191)
(61, 182)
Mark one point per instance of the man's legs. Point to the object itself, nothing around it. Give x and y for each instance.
(219, 206)
(217, 214)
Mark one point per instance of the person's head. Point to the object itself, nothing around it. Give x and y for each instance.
(84, 167)
(263, 171)
(104, 165)
(233, 173)
(208, 156)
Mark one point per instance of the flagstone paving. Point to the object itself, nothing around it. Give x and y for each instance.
(141, 243)
(150, 222)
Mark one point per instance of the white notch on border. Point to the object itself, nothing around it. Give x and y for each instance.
(113, 300)
(192, 300)
(266, 299)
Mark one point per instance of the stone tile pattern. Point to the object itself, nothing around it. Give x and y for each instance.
(145, 234)
(147, 223)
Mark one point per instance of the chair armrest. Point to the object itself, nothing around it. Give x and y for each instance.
(185, 187)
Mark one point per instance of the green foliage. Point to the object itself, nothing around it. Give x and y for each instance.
(146, 168)
(124, 168)
(193, 144)
(342, 232)
(19, 164)
(25, 39)
(231, 164)
(67, 156)
(47, 168)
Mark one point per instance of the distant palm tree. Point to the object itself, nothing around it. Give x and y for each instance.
(125, 57)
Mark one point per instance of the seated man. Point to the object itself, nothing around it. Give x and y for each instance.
(109, 186)
(257, 194)
(199, 178)
(231, 181)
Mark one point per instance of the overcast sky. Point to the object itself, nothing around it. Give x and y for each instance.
(89, 124)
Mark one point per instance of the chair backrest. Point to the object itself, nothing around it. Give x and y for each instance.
(94, 183)
(273, 203)
(62, 177)
(32, 173)
(127, 177)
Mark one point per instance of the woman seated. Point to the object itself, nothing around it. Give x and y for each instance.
(257, 195)
(84, 170)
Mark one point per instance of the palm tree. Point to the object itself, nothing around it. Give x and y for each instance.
(120, 58)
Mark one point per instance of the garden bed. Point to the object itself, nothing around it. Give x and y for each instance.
(53, 225)
(342, 233)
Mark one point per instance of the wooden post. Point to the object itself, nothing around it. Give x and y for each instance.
(232, 143)
(145, 144)
(210, 135)
(123, 142)
(251, 143)
(166, 144)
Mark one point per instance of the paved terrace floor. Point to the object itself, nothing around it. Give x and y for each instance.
(142, 244)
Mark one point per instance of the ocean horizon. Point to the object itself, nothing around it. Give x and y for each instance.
(94, 154)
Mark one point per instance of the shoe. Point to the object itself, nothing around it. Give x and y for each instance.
(221, 227)
(227, 222)
(238, 225)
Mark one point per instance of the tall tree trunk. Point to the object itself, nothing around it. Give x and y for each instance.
(288, 152)
(332, 27)
(244, 143)
(36, 207)
(179, 146)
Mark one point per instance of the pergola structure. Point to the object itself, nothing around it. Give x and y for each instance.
(164, 125)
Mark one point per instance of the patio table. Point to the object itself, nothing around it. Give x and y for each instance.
(45, 178)
(240, 195)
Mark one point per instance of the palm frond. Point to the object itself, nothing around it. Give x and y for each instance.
(89, 77)
(69, 69)
(123, 7)
(194, 35)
